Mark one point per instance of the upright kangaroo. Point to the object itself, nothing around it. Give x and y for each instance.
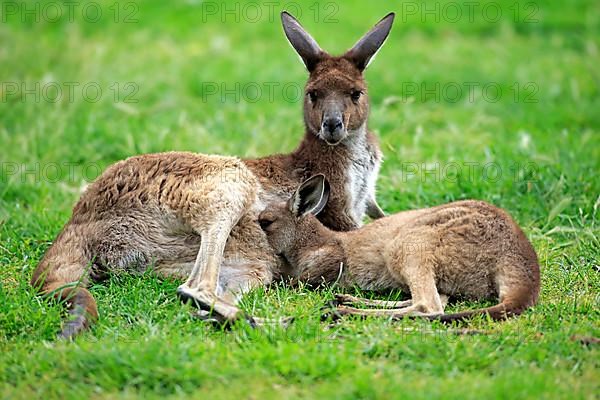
(195, 216)
(467, 249)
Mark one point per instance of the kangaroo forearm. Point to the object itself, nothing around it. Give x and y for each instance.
(373, 210)
(324, 265)
(341, 222)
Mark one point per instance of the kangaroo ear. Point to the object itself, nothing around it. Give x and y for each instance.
(306, 47)
(365, 49)
(311, 197)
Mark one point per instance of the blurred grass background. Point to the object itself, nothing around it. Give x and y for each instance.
(157, 65)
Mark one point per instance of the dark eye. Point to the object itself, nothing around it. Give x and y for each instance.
(312, 95)
(265, 223)
(355, 95)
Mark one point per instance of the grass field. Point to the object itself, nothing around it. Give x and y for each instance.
(503, 108)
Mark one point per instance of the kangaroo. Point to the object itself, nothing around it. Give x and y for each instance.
(468, 249)
(194, 216)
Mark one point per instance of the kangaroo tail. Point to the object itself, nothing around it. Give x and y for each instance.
(510, 306)
(62, 275)
(82, 308)
(83, 311)
(498, 312)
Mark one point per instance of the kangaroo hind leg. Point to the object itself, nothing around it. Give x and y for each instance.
(214, 207)
(416, 271)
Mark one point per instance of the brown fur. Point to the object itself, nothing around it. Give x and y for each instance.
(194, 216)
(467, 249)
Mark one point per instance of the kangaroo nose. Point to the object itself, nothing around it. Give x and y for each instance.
(332, 124)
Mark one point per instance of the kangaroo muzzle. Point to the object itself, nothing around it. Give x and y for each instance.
(332, 128)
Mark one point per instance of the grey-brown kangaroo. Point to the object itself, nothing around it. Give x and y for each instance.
(468, 249)
(195, 216)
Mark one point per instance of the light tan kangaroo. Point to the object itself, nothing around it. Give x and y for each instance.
(467, 249)
(195, 216)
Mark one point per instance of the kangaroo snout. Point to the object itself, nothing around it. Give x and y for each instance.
(332, 129)
(330, 125)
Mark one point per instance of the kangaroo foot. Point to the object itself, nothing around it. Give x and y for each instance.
(201, 299)
(346, 299)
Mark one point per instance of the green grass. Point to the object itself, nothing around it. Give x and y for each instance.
(548, 152)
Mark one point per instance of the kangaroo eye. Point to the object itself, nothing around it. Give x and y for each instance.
(264, 223)
(312, 95)
(355, 95)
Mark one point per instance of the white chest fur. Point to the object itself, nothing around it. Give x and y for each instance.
(363, 168)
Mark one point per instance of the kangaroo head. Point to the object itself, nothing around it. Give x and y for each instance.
(335, 103)
(289, 225)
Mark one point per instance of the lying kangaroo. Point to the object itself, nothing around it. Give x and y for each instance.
(194, 216)
(467, 249)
